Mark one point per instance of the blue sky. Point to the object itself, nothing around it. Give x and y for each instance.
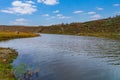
(48, 12)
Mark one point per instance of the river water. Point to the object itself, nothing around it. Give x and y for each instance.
(65, 57)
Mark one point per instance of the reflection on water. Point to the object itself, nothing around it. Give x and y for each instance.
(24, 72)
(62, 57)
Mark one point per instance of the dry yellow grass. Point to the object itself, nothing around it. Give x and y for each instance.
(10, 35)
(115, 36)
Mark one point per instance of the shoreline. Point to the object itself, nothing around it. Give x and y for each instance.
(7, 55)
(113, 36)
(6, 35)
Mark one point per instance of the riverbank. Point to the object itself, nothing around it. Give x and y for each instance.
(7, 55)
(115, 36)
(6, 35)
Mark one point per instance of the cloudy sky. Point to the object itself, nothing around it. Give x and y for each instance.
(48, 12)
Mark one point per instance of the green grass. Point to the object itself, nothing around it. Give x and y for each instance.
(7, 55)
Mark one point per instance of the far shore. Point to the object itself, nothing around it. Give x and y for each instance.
(114, 36)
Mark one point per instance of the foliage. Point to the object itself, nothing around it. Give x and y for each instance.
(103, 25)
(109, 28)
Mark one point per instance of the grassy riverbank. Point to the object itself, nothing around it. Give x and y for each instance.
(115, 36)
(7, 55)
(11, 35)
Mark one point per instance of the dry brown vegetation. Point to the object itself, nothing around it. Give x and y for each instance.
(103, 26)
(107, 28)
(10, 35)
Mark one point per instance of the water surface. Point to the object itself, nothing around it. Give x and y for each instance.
(64, 57)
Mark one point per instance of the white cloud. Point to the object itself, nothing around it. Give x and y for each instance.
(52, 17)
(56, 11)
(19, 7)
(20, 21)
(49, 2)
(46, 15)
(64, 17)
(31, 2)
(91, 12)
(99, 8)
(116, 5)
(95, 17)
(78, 12)
(60, 16)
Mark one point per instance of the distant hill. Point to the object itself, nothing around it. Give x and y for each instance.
(109, 25)
(20, 28)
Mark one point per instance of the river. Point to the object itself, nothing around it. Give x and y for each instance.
(65, 57)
